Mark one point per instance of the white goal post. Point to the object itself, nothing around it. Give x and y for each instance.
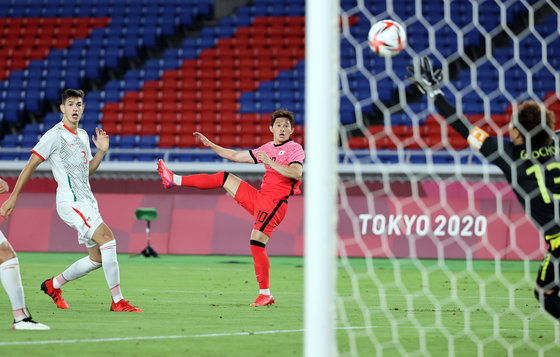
(321, 137)
(448, 258)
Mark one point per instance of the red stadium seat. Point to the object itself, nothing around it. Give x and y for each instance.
(112, 128)
(229, 105)
(153, 85)
(169, 129)
(230, 140)
(477, 119)
(131, 106)
(253, 129)
(186, 128)
(130, 128)
(229, 128)
(112, 116)
(458, 143)
(28, 41)
(168, 140)
(150, 128)
(501, 119)
(152, 106)
(188, 140)
(132, 96)
(248, 140)
(385, 143)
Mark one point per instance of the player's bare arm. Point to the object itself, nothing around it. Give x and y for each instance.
(228, 154)
(294, 171)
(102, 145)
(8, 206)
(4, 186)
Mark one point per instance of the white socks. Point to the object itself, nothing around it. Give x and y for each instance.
(177, 180)
(264, 291)
(85, 265)
(77, 270)
(111, 268)
(11, 280)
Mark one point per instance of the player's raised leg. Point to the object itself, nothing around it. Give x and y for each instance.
(202, 181)
(106, 250)
(11, 281)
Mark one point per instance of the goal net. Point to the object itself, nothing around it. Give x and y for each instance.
(450, 256)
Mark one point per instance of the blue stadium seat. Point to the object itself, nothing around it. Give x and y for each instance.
(8, 156)
(29, 140)
(121, 157)
(148, 141)
(11, 141)
(181, 157)
(89, 126)
(147, 157)
(13, 111)
(128, 141)
(34, 99)
(33, 129)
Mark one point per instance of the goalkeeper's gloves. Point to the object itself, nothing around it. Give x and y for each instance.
(425, 78)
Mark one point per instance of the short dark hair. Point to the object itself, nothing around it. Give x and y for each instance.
(72, 93)
(530, 123)
(282, 113)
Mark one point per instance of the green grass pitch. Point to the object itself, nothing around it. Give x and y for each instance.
(199, 306)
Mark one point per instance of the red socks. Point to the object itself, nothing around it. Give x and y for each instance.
(262, 264)
(204, 181)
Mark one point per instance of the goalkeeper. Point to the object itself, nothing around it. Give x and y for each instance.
(530, 162)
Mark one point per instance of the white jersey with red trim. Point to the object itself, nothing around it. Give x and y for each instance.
(69, 154)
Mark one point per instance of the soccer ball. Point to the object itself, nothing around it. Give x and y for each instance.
(386, 38)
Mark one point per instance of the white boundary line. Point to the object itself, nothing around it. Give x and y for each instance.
(171, 337)
(119, 339)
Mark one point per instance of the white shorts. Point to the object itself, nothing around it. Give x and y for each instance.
(2, 238)
(84, 218)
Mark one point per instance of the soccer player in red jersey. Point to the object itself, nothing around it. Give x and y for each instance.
(283, 159)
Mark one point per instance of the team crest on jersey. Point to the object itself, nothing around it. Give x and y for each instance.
(280, 153)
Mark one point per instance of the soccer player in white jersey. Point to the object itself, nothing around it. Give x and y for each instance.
(11, 280)
(283, 159)
(67, 148)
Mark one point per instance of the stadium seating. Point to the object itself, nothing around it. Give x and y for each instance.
(515, 76)
(227, 79)
(220, 87)
(50, 45)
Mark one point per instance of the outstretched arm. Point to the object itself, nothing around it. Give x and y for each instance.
(457, 122)
(228, 154)
(429, 81)
(9, 205)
